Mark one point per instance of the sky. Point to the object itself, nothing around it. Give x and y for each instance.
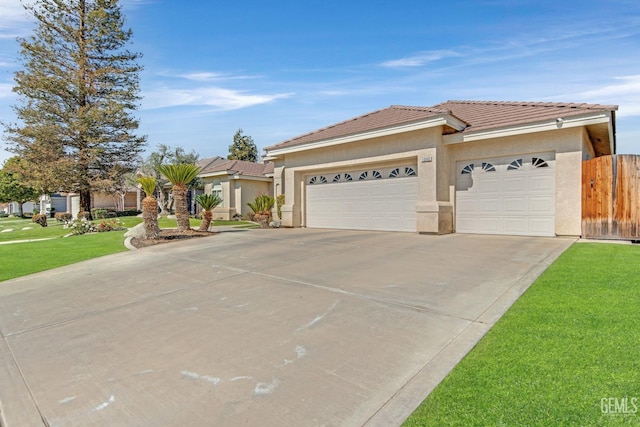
(279, 69)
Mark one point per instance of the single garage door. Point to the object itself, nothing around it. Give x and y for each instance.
(509, 195)
(374, 199)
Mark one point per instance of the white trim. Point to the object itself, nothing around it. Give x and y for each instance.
(232, 175)
(548, 125)
(253, 178)
(377, 133)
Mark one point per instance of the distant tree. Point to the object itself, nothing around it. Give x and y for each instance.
(12, 184)
(166, 154)
(243, 148)
(77, 90)
(180, 175)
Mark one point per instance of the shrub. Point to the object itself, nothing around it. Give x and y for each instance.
(27, 214)
(109, 225)
(279, 203)
(99, 213)
(40, 219)
(128, 212)
(84, 215)
(80, 226)
(3, 214)
(63, 216)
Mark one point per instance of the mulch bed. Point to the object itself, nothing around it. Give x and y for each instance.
(170, 235)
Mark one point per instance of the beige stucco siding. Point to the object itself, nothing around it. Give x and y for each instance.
(236, 193)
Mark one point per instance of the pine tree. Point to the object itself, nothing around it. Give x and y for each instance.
(243, 148)
(77, 90)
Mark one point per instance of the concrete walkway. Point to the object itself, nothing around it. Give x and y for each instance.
(255, 327)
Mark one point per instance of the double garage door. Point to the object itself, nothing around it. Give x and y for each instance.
(374, 199)
(509, 195)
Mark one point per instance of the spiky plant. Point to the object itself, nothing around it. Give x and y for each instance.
(261, 208)
(180, 175)
(149, 207)
(208, 202)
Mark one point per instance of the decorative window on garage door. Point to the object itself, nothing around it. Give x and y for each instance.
(362, 175)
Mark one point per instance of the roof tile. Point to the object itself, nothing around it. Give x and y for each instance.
(478, 115)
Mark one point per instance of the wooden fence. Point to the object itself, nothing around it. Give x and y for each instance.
(611, 197)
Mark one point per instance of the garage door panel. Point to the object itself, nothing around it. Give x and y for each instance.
(513, 182)
(515, 204)
(541, 225)
(516, 197)
(543, 183)
(385, 204)
(541, 204)
(515, 225)
(489, 205)
(489, 225)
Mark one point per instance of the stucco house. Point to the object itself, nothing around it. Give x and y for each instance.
(509, 168)
(237, 182)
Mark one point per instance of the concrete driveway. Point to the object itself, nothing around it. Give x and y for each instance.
(262, 327)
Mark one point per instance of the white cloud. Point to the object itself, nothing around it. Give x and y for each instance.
(220, 98)
(625, 92)
(420, 59)
(207, 76)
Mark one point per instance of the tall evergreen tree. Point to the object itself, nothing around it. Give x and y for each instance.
(77, 92)
(243, 148)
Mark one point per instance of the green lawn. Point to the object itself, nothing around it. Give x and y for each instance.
(26, 258)
(20, 259)
(568, 343)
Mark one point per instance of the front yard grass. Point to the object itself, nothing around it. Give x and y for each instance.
(568, 343)
(20, 259)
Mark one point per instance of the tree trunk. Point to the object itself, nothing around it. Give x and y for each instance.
(207, 215)
(182, 212)
(150, 217)
(85, 202)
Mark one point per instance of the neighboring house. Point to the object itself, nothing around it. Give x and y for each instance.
(461, 166)
(70, 202)
(237, 182)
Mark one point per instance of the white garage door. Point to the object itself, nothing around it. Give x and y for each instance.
(509, 195)
(373, 199)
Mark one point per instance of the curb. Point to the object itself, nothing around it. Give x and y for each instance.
(128, 245)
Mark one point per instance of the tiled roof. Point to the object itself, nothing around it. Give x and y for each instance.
(239, 167)
(482, 115)
(204, 163)
(380, 119)
(478, 115)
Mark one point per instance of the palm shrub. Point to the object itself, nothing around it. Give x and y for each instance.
(180, 175)
(208, 202)
(261, 208)
(149, 207)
